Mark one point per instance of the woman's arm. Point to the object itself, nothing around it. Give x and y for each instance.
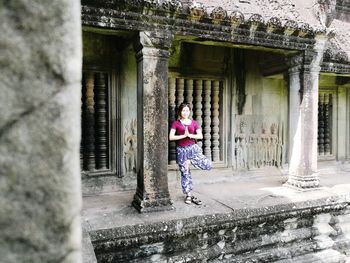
(173, 137)
(197, 136)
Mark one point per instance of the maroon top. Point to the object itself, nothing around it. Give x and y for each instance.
(179, 128)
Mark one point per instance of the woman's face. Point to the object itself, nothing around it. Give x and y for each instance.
(185, 113)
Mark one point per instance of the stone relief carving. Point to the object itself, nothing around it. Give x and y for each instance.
(130, 146)
(274, 23)
(236, 18)
(197, 11)
(151, 7)
(289, 27)
(218, 14)
(255, 21)
(304, 29)
(258, 141)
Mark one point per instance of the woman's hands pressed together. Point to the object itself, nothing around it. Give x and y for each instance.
(187, 133)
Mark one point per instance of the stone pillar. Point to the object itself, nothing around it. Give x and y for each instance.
(152, 193)
(303, 118)
(341, 129)
(295, 66)
(40, 84)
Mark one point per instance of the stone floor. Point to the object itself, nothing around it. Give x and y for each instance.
(221, 191)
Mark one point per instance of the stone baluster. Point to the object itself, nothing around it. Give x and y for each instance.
(321, 123)
(327, 138)
(216, 121)
(152, 54)
(180, 85)
(172, 117)
(189, 92)
(303, 164)
(207, 118)
(82, 117)
(90, 122)
(101, 112)
(198, 105)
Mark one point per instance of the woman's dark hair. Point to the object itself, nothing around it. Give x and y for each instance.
(181, 106)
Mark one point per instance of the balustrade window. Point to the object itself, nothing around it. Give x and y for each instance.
(205, 97)
(325, 110)
(95, 143)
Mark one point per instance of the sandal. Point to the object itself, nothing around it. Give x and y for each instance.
(188, 199)
(196, 201)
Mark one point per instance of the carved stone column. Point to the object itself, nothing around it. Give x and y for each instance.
(295, 66)
(303, 118)
(152, 55)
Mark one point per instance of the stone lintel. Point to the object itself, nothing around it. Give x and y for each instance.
(334, 67)
(152, 54)
(227, 30)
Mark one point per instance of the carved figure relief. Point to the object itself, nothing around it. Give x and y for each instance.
(130, 146)
(258, 142)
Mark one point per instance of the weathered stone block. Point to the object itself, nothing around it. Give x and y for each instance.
(40, 131)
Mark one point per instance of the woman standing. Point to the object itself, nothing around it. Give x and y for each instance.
(185, 132)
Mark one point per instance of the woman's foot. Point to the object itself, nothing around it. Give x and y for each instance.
(188, 199)
(195, 200)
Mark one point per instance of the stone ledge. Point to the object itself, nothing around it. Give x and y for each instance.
(237, 217)
(334, 67)
(267, 234)
(243, 216)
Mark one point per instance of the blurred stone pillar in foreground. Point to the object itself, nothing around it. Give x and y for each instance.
(40, 75)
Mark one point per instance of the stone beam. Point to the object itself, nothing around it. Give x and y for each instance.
(220, 27)
(152, 55)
